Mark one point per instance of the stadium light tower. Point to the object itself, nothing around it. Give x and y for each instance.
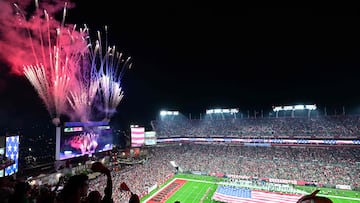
(169, 113)
(165, 113)
(300, 107)
(222, 112)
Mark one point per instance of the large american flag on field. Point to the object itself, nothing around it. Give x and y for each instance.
(12, 152)
(237, 195)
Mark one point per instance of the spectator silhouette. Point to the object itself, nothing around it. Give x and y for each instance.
(6, 188)
(134, 198)
(95, 196)
(75, 189)
(45, 195)
(312, 198)
(21, 193)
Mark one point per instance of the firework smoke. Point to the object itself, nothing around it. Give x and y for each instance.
(16, 49)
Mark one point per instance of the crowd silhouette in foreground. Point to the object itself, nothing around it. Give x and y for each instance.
(75, 190)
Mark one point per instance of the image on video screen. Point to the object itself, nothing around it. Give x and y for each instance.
(81, 140)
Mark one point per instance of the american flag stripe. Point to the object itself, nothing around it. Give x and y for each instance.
(137, 139)
(257, 197)
(142, 133)
(137, 130)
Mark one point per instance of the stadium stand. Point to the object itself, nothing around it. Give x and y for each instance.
(344, 126)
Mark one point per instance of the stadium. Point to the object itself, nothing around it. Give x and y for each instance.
(69, 140)
(225, 157)
(273, 153)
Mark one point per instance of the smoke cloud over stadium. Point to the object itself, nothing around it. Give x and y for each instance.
(15, 28)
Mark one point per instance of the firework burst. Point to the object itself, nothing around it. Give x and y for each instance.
(111, 66)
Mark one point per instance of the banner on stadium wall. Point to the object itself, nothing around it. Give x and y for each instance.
(301, 182)
(238, 176)
(264, 179)
(258, 144)
(217, 175)
(284, 181)
(150, 138)
(150, 189)
(343, 187)
(274, 180)
(196, 172)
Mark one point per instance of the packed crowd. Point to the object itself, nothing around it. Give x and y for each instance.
(322, 165)
(324, 126)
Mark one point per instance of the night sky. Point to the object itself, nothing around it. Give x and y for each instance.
(191, 58)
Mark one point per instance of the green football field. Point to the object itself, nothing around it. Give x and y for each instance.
(201, 189)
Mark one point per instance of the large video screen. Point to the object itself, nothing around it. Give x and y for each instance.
(150, 138)
(78, 139)
(137, 136)
(12, 152)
